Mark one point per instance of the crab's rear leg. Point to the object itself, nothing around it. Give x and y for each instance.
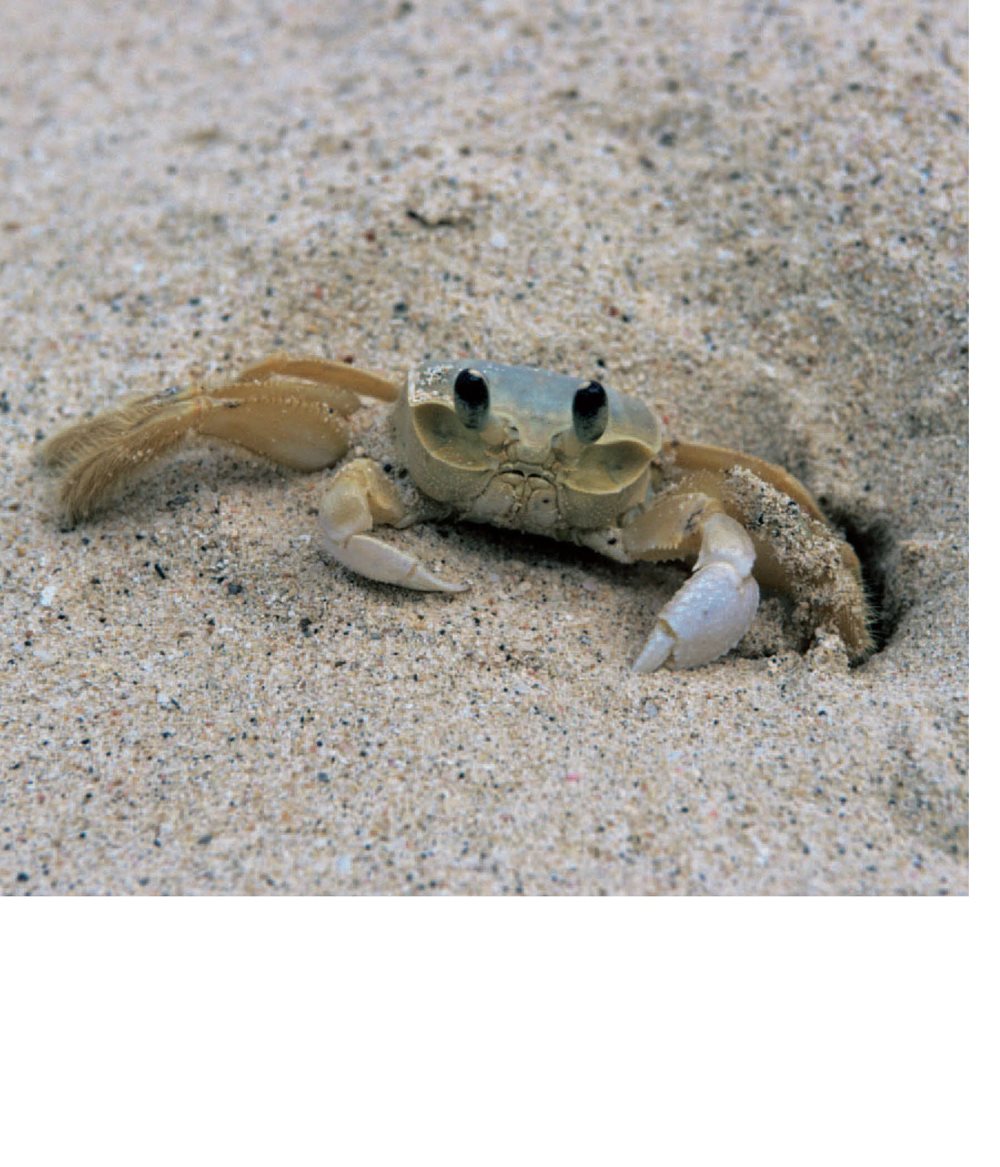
(712, 610)
(290, 410)
(361, 497)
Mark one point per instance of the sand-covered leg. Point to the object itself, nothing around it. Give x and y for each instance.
(361, 497)
(712, 611)
(804, 558)
(292, 411)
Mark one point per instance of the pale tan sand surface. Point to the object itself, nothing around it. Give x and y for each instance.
(752, 215)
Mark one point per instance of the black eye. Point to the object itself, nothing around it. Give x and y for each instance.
(472, 399)
(590, 411)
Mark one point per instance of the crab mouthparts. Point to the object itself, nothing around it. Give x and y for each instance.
(525, 468)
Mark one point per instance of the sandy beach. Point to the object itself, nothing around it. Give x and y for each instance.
(753, 216)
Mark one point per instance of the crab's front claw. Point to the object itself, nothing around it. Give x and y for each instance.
(713, 610)
(361, 497)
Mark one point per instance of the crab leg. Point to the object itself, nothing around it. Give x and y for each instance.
(290, 410)
(361, 497)
(713, 609)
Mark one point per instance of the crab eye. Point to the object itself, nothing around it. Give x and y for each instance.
(472, 399)
(590, 411)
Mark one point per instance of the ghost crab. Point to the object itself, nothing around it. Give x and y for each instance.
(515, 447)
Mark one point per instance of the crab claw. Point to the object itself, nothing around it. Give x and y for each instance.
(360, 498)
(712, 611)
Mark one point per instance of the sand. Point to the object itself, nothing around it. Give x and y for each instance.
(753, 216)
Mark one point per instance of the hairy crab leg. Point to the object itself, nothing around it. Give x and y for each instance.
(289, 410)
(694, 456)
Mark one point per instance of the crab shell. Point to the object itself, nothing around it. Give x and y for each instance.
(527, 468)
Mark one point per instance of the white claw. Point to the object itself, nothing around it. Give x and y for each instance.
(655, 651)
(374, 559)
(360, 497)
(711, 613)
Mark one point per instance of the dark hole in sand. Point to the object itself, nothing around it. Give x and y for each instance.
(872, 539)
